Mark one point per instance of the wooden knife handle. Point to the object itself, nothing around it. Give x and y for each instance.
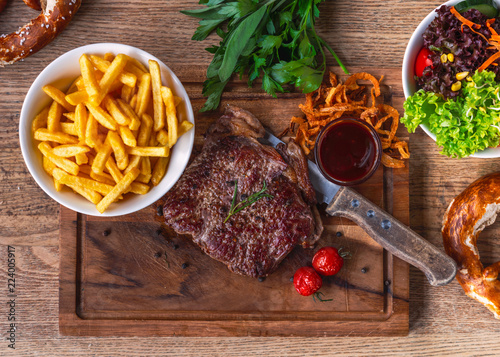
(394, 236)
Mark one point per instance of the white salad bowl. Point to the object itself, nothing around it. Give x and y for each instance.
(61, 73)
(410, 87)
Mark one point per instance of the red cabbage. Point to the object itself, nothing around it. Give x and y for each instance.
(444, 35)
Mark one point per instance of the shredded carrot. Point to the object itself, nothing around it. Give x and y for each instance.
(463, 20)
(492, 30)
(494, 39)
(489, 61)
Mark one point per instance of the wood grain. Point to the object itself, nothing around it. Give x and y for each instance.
(366, 34)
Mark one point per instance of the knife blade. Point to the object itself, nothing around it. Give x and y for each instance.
(390, 233)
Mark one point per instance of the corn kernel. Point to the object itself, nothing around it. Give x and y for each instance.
(444, 58)
(456, 86)
(451, 57)
(462, 75)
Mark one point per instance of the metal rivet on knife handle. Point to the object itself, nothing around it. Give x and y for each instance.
(393, 235)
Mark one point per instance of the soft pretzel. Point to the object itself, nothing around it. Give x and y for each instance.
(32, 37)
(34, 4)
(468, 214)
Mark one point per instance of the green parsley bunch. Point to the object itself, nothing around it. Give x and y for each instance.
(272, 39)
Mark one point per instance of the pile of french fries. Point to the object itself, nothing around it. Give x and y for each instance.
(111, 132)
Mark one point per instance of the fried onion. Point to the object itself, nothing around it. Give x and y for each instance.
(334, 100)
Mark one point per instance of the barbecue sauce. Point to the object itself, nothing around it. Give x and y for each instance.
(348, 151)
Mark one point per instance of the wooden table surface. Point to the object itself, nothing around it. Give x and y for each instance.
(366, 34)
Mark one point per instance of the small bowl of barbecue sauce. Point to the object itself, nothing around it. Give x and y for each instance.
(348, 151)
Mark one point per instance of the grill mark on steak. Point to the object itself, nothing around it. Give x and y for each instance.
(255, 240)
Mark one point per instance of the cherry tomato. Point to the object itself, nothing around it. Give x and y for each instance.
(307, 281)
(327, 261)
(422, 61)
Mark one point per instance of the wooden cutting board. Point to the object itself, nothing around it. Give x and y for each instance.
(132, 276)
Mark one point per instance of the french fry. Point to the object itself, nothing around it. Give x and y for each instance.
(110, 76)
(134, 162)
(144, 178)
(102, 117)
(118, 147)
(90, 195)
(81, 159)
(102, 156)
(89, 79)
(80, 121)
(80, 83)
(65, 164)
(109, 57)
(152, 140)
(162, 137)
(130, 67)
(143, 94)
(159, 170)
(104, 178)
(43, 134)
(77, 97)
(49, 167)
(54, 117)
(133, 101)
(145, 166)
(113, 109)
(127, 78)
(70, 150)
(113, 169)
(118, 190)
(58, 96)
(145, 130)
(68, 128)
(70, 116)
(89, 184)
(91, 137)
(135, 122)
(127, 136)
(135, 62)
(135, 187)
(172, 123)
(184, 127)
(160, 151)
(159, 109)
(40, 120)
(139, 188)
(127, 93)
(73, 87)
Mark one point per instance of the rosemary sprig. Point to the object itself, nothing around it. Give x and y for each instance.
(235, 208)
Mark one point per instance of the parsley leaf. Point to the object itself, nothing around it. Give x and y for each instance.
(270, 39)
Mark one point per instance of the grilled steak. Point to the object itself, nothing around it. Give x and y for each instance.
(255, 240)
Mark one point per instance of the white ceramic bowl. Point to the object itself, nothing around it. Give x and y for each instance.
(409, 86)
(60, 73)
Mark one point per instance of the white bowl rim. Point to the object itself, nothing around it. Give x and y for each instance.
(408, 65)
(142, 200)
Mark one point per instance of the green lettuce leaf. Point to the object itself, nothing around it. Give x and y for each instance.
(462, 126)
